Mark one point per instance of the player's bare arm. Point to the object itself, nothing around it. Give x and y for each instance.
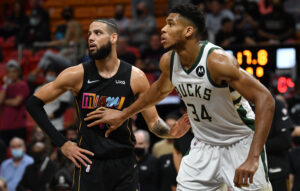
(69, 79)
(147, 98)
(224, 67)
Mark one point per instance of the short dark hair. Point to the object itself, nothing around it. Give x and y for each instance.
(112, 26)
(193, 14)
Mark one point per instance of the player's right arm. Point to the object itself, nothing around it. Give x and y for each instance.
(69, 79)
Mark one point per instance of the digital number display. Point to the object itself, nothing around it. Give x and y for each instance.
(261, 60)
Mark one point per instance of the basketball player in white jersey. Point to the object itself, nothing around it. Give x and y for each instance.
(228, 148)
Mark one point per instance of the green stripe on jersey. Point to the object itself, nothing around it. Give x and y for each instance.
(263, 158)
(243, 115)
(171, 65)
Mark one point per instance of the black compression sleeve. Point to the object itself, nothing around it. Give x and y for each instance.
(35, 108)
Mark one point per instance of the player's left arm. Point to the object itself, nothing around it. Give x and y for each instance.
(224, 67)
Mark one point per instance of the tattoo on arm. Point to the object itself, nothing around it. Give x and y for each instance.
(161, 129)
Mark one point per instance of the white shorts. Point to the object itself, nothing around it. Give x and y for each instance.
(209, 167)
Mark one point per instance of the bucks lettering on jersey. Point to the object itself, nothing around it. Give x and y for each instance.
(218, 114)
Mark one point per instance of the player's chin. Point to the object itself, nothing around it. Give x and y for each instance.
(167, 47)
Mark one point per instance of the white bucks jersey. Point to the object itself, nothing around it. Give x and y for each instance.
(218, 114)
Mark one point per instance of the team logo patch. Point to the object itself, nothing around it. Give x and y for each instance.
(200, 71)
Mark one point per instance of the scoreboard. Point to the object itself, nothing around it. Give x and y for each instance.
(260, 61)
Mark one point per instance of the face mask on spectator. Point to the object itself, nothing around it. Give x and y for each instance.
(17, 153)
(34, 21)
(140, 152)
(139, 12)
(38, 157)
(50, 78)
(119, 16)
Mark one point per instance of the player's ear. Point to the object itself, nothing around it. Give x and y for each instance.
(114, 38)
(189, 31)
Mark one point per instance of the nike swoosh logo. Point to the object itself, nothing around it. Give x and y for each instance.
(285, 118)
(90, 82)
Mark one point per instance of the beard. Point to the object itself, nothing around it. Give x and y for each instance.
(102, 52)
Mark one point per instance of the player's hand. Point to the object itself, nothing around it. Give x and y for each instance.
(75, 153)
(244, 174)
(112, 117)
(180, 127)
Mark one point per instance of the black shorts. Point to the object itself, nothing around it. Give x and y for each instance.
(108, 175)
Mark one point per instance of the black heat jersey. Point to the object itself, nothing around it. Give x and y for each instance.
(114, 93)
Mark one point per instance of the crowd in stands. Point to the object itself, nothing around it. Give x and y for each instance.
(31, 55)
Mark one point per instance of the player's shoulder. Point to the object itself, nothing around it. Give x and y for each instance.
(137, 74)
(73, 71)
(222, 61)
(71, 76)
(165, 61)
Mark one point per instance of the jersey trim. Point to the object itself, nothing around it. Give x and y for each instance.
(263, 158)
(223, 84)
(243, 115)
(197, 60)
(171, 65)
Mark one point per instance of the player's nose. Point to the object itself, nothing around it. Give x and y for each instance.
(163, 30)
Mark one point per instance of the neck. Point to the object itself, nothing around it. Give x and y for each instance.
(17, 161)
(188, 52)
(15, 81)
(108, 66)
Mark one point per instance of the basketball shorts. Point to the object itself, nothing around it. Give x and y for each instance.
(107, 175)
(209, 167)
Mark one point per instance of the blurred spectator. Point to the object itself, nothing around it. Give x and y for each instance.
(173, 3)
(2, 151)
(56, 109)
(164, 146)
(63, 173)
(229, 35)
(122, 50)
(214, 18)
(37, 5)
(61, 184)
(1, 55)
(142, 26)
(39, 136)
(277, 145)
(278, 26)
(167, 173)
(71, 133)
(294, 158)
(3, 185)
(13, 169)
(13, 95)
(247, 18)
(36, 31)
(37, 176)
(72, 49)
(147, 164)
(15, 21)
(294, 104)
(293, 7)
(151, 55)
(265, 7)
(122, 21)
(67, 15)
(134, 5)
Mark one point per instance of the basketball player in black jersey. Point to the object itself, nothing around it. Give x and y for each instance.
(102, 163)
